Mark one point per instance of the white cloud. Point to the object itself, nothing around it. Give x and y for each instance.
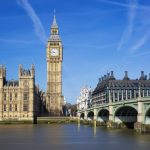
(147, 53)
(142, 7)
(136, 13)
(143, 30)
(39, 30)
(115, 3)
(140, 42)
(129, 29)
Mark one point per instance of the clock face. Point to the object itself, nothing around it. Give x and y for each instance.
(54, 52)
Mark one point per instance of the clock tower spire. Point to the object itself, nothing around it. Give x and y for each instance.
(54, 98)
(54, 30)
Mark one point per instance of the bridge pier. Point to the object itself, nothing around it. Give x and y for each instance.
(140, 117)
(110, 123)
(85, 115)
(111, 118)
(139, 125)
(95, 118)
(95, 114)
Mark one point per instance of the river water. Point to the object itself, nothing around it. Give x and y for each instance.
(69, 137)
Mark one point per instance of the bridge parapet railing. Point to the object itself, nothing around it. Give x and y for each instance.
(116, 102)
(144, 99)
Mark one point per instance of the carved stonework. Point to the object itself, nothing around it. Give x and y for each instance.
(17, 100)
(25, 84)
(54, 72)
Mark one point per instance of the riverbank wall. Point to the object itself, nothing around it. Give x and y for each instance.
(138, 127)
(57, 120)
(42, 120)
(16, 122)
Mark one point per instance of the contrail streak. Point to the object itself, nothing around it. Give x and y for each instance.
(39, 30)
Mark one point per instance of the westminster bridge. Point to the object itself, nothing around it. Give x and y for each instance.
(132, 111)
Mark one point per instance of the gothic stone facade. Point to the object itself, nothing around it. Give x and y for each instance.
(85, 98)
(18, 99)
(54, 98)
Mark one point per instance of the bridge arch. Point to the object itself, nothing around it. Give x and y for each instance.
(126, 105)
(103, 115)
(90, 115)
(126, 115)
(82, 116)
(147, 116)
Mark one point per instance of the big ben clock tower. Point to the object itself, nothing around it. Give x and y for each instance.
(54, 98)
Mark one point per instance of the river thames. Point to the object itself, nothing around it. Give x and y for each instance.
(69, 137)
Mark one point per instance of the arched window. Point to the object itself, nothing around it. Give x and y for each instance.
(25, 96)
(4, 96)
(10, 96)
(4, 107)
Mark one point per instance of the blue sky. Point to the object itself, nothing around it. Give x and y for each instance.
(98, 36)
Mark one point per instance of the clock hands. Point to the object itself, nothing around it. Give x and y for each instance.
(54, 52)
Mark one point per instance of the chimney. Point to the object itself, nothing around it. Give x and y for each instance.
(126, 73)
(112, 74)
(126, 76)
(142, 75)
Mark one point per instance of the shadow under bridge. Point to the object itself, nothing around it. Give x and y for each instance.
(103, 115)
(126, 115)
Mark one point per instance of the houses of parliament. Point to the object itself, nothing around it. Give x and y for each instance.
(22, 99)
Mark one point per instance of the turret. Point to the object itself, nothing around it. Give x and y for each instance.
(32, 70)
(2, 75)
(25, 73)
(20, 70)
(2, 72)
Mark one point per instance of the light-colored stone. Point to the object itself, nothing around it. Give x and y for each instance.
(18, 99)
(85, 98)
(54, 98)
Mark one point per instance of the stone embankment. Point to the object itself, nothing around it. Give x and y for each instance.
(56, 120)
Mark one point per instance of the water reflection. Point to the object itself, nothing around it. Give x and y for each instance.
(69, 137)
(94, 128)
(78, 124)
